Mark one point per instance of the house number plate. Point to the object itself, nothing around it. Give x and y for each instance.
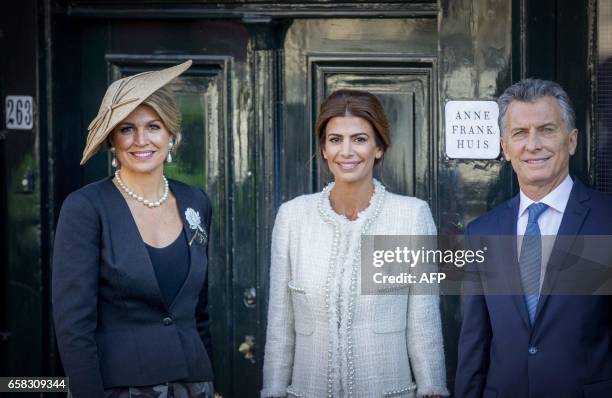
(19, 112)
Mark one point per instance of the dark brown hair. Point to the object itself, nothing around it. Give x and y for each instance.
(354, 103)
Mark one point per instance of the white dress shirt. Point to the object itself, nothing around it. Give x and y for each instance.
(548, 222)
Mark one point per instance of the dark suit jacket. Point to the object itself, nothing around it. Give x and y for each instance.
(113, 328)
(568, 351)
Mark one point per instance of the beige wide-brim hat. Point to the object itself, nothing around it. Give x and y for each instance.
(121, 98)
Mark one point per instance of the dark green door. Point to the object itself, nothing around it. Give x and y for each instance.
(392, 58)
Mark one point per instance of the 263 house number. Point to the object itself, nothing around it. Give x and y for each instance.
(19, 112)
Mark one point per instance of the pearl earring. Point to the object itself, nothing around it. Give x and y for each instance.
(114, 161)
(170, 146)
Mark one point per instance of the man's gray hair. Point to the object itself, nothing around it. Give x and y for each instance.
(531, 90)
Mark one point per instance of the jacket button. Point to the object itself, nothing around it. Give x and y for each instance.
(167, 321)
(533, 350)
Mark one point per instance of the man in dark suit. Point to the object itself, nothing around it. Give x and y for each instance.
(533, 342)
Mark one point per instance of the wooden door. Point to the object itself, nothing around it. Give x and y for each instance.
(392, 58)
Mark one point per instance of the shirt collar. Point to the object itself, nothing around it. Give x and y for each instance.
(556, 199)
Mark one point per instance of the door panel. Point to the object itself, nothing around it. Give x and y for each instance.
(404, 86)
(394, 59)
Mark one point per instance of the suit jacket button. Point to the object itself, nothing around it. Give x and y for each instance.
(533, 350)
(167, 321)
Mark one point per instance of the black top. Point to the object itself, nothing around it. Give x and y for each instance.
(171, 265)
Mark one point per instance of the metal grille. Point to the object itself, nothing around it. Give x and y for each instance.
(603, 155)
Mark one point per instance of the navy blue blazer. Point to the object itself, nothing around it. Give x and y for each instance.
(568, 351)
(112, 326)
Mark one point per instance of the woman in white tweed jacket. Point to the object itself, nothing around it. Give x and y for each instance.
(324, 338)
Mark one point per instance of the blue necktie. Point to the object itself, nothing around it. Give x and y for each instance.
(530, 260)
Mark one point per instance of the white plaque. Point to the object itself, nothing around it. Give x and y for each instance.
(471, 129)
(19, 112)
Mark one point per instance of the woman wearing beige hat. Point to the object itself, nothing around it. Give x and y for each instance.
(130, 257)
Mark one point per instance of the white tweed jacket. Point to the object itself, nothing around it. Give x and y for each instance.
(325, 339)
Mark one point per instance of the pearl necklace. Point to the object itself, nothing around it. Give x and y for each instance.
(146, 202)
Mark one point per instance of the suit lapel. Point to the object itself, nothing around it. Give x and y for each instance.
(184, 202)
(573, 218)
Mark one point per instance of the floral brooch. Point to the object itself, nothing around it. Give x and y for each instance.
(195, 224)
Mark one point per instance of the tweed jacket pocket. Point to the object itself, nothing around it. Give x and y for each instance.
(390, 312)
(292, 393)
(408, 391)
(302, 311)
